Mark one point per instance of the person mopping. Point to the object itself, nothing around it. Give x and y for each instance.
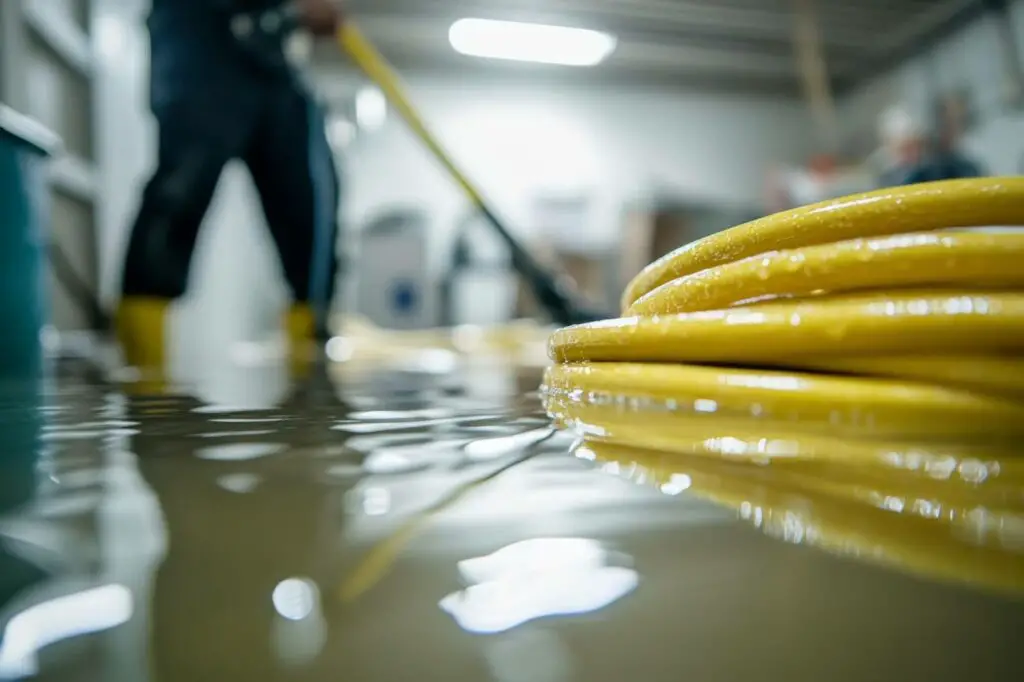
(222, 88)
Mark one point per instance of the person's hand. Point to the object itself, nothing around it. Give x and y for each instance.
(321, 17)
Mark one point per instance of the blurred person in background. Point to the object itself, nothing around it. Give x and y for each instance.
(904, 146)
(222, 87)
(945, 160)
(913, 155)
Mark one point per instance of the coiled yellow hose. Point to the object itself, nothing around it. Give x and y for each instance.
(835, 288)
(902, 210)
(866, 353)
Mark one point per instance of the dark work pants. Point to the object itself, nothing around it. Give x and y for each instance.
(278, 131)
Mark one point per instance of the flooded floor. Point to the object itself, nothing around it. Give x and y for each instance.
(401, 524)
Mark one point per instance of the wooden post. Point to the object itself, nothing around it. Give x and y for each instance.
(814, 70)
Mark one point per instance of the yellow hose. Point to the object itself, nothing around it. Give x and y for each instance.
(915, 530)
(948, 260)
(902, 210)
(836, 287)
(855, 368)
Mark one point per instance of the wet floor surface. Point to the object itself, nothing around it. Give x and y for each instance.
(396, 526)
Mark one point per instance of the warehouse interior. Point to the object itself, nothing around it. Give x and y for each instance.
(417, 505)
(702, 109)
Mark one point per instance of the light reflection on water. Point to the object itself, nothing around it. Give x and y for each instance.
(50, 621)
(534, 579)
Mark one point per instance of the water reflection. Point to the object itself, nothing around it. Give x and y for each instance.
(538, 578)
(376, 501)
(917, 506)
(240, 483)
(308, 550)
(42, 624)
(22, 420)
(250, 514)
(239, 452)
(296, 598)
(259, 507)
(529, 655)
(491, 448)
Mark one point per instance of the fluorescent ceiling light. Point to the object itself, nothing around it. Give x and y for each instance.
(530, 42)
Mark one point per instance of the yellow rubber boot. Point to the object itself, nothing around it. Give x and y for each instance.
(300, 328)
(140, 325)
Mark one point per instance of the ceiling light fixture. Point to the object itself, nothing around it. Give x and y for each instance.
(530, 42)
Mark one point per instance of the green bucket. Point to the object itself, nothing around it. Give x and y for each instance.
(24, 213)
(24, 149)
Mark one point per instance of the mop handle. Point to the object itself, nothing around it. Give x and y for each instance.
(546, 288)
(373, 64)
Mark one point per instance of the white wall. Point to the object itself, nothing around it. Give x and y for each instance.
(618, 145)
(125, 135)
(971, 58)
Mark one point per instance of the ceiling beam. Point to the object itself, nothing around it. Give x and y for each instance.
(814, 72)
(845, 25)
(858, 39)
(918, 43)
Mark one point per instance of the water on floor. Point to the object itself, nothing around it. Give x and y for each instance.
(400, 523)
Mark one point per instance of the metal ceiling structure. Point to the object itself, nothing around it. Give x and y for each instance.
(727, 44)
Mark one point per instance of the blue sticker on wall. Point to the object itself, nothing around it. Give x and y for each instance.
(404, 296)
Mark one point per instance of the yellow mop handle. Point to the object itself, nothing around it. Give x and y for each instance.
(373, 64)
(549, 291)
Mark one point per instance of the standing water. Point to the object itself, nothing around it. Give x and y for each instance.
(397, 523)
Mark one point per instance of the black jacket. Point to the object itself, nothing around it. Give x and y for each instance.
(205, 49)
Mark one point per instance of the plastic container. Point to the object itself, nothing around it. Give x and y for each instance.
(24, 212)
(24, 216)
